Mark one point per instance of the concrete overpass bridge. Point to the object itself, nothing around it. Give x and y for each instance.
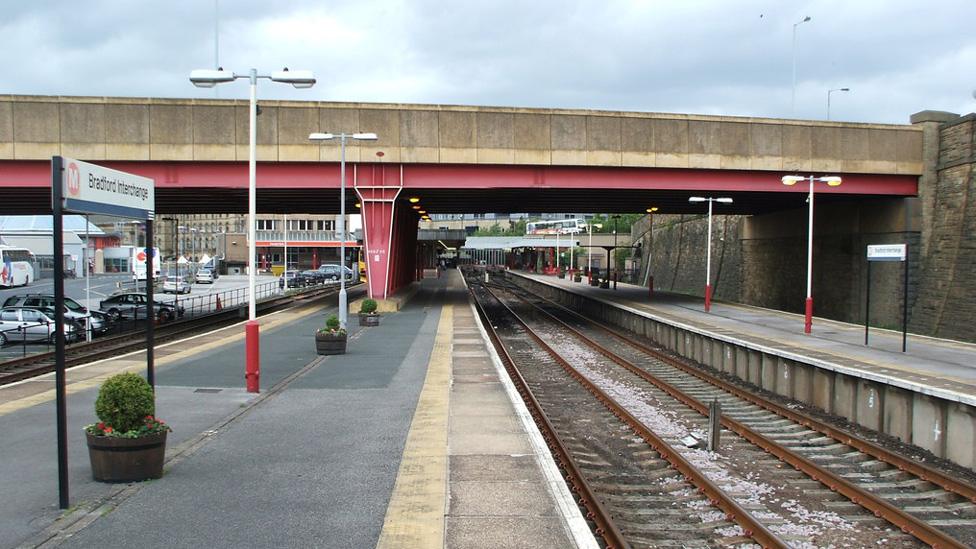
(469, 159)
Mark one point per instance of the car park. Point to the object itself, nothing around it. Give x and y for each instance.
(134, 305)
(33, 324)
(205, 276)
(100, 322)
(176, 285)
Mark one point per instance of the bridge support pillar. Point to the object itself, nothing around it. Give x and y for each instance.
(389, 229)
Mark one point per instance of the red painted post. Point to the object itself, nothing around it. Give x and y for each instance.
(808, 317)
(708, 297)
(252, 370)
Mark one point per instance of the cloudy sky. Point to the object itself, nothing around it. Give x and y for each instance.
(713, 57)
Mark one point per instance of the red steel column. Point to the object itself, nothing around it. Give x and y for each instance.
(252, 370)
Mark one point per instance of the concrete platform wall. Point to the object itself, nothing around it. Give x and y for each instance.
(945, 427)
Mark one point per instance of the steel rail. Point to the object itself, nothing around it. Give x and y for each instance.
(877, 505)
(733, 511)
(876, 451)
(596, 512)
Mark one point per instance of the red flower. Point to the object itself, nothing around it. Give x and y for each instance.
(108, 429)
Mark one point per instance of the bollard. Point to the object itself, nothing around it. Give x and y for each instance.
(252, 369)
(219, 307)
(714, 425)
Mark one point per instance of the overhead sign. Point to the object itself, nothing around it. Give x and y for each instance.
(887, 252)
(87, 188)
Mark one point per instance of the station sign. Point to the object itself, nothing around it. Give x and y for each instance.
(88, 188)
(887, 252)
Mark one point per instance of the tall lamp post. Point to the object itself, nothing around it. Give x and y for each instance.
(648, 279)
(589, 249)
(828, 97)
(208, 78)
(343, 307)
(615, 217)
(708, 253)
(793, 97)
(831, 181)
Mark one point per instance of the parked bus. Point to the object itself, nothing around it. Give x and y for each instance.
(16, 266)
(556, 226)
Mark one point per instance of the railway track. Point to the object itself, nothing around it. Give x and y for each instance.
(835, 491)
(83, 353)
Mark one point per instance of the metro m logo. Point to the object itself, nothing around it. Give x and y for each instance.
(74, 180)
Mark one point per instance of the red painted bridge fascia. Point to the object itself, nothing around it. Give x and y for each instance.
(302, 175)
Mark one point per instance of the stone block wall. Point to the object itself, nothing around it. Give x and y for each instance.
(947, 293)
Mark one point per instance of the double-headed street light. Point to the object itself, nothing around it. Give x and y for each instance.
(830, 91)
(208, 78)
(831, 181)
(708, 253)
(342, 137)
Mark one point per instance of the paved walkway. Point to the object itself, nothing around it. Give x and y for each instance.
(949, 366)
(408, 440)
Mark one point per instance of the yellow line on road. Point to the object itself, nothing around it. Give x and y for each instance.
(415, 515)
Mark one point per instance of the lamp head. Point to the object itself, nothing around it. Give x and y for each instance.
(696, 199)
(831, 180)
(414, 199)
(805, 19)
(364, 136)
(299, 79)
(724, 200)
(791, 180)
(208, 78)
(320, 136)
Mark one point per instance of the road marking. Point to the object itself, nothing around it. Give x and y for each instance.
(415, 515)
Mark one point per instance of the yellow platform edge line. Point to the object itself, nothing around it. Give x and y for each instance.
(138, 367)
(416, 512)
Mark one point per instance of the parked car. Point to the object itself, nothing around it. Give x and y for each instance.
(294, 279)
(135, 305)
(331, 271)
(33, 324)
(205, 276)
(176, 285)
(100, 322)
(314, 276)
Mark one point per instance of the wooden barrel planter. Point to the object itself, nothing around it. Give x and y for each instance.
(330, 344)
(126, 459)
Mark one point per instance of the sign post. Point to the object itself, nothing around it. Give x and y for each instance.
(80, 187)
(888, 252)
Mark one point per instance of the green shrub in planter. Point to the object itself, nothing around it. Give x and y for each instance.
(124, 401)
(367, 306)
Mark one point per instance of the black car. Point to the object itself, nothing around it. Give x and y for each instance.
(314, 276)
(134, 305)
(294, 279)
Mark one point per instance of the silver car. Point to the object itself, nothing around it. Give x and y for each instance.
(73, 310)
(33, 324)
(205, 276)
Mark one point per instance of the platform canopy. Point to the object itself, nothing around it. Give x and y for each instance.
(512, 242)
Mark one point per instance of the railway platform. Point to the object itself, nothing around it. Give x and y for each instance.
(925, 396)
(411, 439)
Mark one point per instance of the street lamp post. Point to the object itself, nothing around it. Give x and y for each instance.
(828, 97)
(831, 181)
(589, 250)
(793, 97)
(708, 252)
(342, 209)
(207, 78)
(615, 218)
(648, 279)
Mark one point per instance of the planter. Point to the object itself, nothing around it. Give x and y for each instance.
(369, 319)
(126, 459)
(594, 281)
(577, 277)
(562, 274)
(330, 344)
